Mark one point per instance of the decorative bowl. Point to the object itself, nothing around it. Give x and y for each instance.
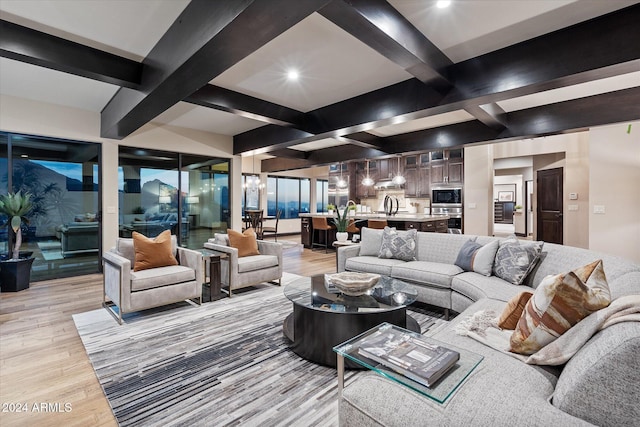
(354, 284)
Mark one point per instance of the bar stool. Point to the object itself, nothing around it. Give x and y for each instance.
(320, 225)
(378, 224)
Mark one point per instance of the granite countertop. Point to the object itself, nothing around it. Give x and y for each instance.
(401, 216)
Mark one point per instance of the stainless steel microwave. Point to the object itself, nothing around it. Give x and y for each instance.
(446, 196)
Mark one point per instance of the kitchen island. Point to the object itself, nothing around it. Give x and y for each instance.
(401, 221)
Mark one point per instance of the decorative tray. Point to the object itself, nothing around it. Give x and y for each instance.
(352, 283)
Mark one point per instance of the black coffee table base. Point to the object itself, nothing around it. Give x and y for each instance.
(313, 333)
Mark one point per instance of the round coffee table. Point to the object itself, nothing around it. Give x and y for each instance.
(323, 318)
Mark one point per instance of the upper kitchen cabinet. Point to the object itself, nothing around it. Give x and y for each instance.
(361, 190)
(447, 167)
(416, 171)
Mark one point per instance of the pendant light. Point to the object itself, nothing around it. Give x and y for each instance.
(399, 179)
(367, 181)
(341, 182)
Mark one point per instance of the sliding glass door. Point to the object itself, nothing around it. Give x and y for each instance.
(64, 228)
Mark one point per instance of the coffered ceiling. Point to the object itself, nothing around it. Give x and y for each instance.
(376, 78)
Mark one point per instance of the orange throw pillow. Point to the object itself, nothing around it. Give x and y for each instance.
(152, 253)
(245, 242)
(513, 311)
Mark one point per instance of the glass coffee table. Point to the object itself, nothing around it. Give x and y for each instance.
(323, 317)
(440, 391)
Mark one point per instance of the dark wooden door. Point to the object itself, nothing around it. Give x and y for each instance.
(550, 205)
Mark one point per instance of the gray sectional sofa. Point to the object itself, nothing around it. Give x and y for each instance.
(599, 385)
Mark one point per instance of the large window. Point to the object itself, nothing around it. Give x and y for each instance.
(322, 195)
(63, 229)
(291, 195)
(186, 194)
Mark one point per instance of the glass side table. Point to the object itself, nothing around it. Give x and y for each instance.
(440, 391)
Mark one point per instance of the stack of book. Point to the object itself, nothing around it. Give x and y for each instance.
(409, 355)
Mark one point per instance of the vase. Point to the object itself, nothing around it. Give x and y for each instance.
(330, 211)
(341, 236)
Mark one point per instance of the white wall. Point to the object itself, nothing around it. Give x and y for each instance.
(478, 190)
(37, 118)
(615, 180)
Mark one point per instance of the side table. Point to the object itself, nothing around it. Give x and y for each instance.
(215, 275)
(337, 244)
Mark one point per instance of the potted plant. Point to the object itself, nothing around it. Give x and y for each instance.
(15, 268)
(518, 208)
(341, 222)
(330, 208)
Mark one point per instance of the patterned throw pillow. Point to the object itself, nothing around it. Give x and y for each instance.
(152, 253)
(513, 311)
(515, 260)
(558, 303)
(397, 246)
(244, 242)
(475, 257)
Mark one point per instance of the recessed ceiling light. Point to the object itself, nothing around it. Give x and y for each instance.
(293, 75)
(441, 4)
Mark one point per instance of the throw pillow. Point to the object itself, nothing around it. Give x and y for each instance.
(370, 241)
(475, 257)
(398, 246)
(244, 242)
(513, 311)
(515, 260)
(558, 303)
(152, 253)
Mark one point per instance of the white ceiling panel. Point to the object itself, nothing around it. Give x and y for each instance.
(128, 28)
(333, 66)
(55, 87)
(467, 29)
(581, 90)
(424, 123)
(317, 145)
(206, 119)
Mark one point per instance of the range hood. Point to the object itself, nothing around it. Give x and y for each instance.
(387, 184)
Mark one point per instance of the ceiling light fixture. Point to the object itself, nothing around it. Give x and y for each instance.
(441, 4)
(293, 75)
(399, 179)
(367, 181)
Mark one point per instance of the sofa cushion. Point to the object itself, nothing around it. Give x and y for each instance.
(439, 247)
(256, 262)
(512, 312)
(398, 246)
(370, 241)
(476, 286)
(515, 260)
(475, 257)
(244, 242)
(221, 239)
(372, 264)
(432, 273)
(161, 276)
(153, 253)
(558, 303)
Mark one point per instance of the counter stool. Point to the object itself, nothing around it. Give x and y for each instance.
(320, 225)
(378, 224)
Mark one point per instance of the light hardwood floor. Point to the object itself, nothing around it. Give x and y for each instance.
(43, 361)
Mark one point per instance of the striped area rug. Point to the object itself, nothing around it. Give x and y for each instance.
(222, 363)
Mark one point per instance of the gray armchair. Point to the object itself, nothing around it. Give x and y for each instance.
(132, 291)
(250, 270)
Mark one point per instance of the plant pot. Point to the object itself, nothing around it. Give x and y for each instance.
(15, 275)
(330, 211)
(341, 236)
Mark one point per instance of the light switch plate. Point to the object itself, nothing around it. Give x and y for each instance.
(573, 207)
(573, 196)
(598, 209)
(472, 205)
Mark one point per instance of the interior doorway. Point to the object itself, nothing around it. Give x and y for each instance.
(549, 205)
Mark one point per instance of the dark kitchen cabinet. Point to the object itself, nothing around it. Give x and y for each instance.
(447, 167)
(411, 186)
(363, 191)
(306, 231)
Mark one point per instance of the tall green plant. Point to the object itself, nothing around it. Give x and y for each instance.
(16, 206)
(341, 222)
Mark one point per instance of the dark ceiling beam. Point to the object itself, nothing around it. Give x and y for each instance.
(491, 115)
(605, 50)
(290, 154)
(281, 164)
(380, 26)
(567, 116)
(206, 39)
(378, 143)
(321, 157)
(347, 117)
(222, 99)
(34, 47)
